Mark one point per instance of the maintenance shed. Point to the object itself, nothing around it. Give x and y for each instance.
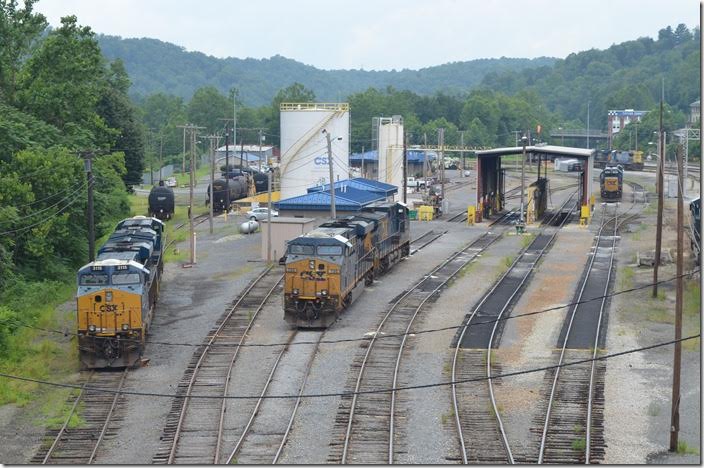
(283, 229)
(491, 182)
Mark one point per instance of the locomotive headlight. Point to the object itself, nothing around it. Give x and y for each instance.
(311, 264)
(91, 328)
(108, 296)
(125, 326)
(324, 292)
(295, 292)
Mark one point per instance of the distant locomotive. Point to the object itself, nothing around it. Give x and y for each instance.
(327, 268)
(222, 199)
(117, 293)
(611, 183)
(630, 160)
(695, 210)
(161, 202)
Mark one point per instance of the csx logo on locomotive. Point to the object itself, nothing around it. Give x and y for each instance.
(321, 161)
(108, 308)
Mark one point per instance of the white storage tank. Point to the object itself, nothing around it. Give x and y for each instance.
(390, 134)
(304, 158)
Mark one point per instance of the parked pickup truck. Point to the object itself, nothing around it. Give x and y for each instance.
(412, 182)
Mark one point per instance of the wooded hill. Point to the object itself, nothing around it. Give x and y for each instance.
(156, 66)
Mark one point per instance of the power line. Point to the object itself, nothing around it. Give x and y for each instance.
(349, 340)
(348, 394)
(83, 185)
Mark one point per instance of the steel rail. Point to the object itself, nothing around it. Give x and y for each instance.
(177, 433)
(108, 417)
(360, 375)
(228, 377)
(298, 401)
(564, 344)
(67, 421)
(455, 401)
(248, 426)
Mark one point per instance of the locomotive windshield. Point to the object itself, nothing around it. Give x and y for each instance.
(93, 279)
(125, 278)
(297, 249)
(329, 250)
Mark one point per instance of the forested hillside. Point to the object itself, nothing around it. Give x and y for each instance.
(624, 76)
(156, 66)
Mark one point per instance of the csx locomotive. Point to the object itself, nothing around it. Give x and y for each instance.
(611, 182)
(327, 268)
(117, 293)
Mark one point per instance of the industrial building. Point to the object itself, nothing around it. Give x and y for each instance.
(304, 152)
(417, 163)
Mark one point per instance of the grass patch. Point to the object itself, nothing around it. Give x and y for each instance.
(526, 239)
(692, 300)
(58, 411)
(653, 409)
(26, 351)
(684, 449)
(579, 444)
(508, 261)
(659, 314)
(626, 278)
(465, 270)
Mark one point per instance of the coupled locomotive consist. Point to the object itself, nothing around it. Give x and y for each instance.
(611, 183)
(327, 268)
(117, 293)
(161, 202)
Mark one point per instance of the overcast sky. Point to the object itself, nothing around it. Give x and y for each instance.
(380, 34)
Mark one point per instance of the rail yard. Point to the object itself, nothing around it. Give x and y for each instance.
(411, 371)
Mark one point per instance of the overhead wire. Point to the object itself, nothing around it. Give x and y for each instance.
(533, 370)
(17, 322)
(83, 185)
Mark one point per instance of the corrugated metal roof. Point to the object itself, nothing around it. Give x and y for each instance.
(545, 149)
(350, 199)
(360, 183)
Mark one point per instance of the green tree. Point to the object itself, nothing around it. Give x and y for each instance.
(293, 93)
(62, 81)
(207, 107)
(19, 29)
(118, 112)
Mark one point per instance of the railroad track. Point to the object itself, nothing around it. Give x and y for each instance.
(425, 240)
(195, 429)
(571, 431)
(480, 430)
(573, 424)
(367, 422)
(100, 416)
(264, 436)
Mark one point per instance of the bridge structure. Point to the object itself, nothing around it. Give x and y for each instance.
(579, 134)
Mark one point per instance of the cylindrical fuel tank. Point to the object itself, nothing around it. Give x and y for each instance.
(161, 202)
(249, 227)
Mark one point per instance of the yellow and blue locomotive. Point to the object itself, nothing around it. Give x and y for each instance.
(611, 182)
(327, 268)
(117, 293)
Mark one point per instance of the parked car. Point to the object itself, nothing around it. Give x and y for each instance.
(171, 182)
(412, 182)
(258, 214)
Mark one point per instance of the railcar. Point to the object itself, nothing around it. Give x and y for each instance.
(611, 183)
(117, 293)
(161, 202)
(222, 197)
(327, 268)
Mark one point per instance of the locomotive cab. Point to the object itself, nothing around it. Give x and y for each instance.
(113, 308)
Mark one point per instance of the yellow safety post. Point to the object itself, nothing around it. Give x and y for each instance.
(584, 215)
(471, 211)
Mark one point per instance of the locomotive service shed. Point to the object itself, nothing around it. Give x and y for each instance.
(491, 181)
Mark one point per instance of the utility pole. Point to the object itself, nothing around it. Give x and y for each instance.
(161, 160)
(88, 164)
(441, 145)
(425, 159)
(462, 153)
(661, 197)
(524, 141)
(260, 150)
(587, 124)
(405, 162)
(333, 213)
(183, 155)
(268, 216)
(190, 198)
(675, 414)
(363, 161)
(212, 176)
